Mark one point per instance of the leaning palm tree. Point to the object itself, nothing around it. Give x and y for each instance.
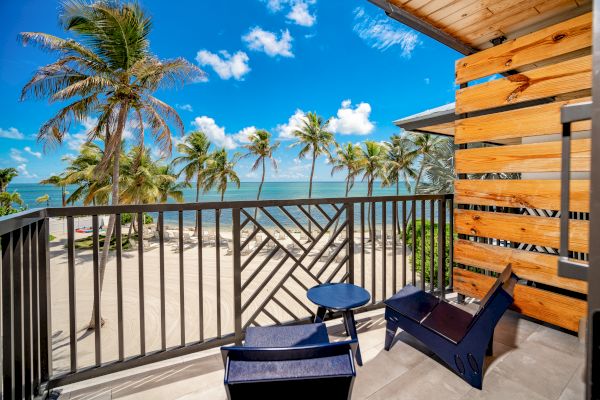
(219, 172)
(58, 181)
(372, 167)
(400, 159)
(110, 73)
(194, 150)
(314, 139)
(260, 146)
(6, 175)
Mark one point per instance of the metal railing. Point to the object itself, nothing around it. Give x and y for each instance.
(188, 277)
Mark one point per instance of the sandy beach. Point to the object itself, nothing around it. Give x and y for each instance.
(151, 259)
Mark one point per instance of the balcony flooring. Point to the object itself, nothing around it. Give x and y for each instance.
(530, 361)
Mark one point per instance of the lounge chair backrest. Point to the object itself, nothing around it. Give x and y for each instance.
(505, 282)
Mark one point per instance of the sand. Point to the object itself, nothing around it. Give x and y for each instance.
(271, 312)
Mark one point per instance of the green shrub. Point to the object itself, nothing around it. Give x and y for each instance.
(87, 242)
(126, 218)
(428, 252)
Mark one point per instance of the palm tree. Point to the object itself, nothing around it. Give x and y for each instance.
(6, 175)
(347, 157)
(439, 169)
(314, 139)
(260, 146)
(8, 199)
(44, 199)
(372, 167)
(91, 188)
(58, 181)
(111, 73)
(194, 150)
(424, 144)
(400, 158)
(168, 187)
(219, 172)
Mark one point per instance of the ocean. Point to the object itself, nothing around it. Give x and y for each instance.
(271, 190)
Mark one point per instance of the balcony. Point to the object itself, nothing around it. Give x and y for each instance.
(170, 298)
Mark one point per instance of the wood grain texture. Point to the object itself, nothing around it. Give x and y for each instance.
(528, 265)
(546, 306)
(540, 194)
(562, 38)
(564, 77)
(533, 157)
(539, 231)
(523, 122)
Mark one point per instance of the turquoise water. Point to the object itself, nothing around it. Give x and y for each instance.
(247, 191)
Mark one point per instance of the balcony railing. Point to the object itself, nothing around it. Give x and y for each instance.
(167, 292)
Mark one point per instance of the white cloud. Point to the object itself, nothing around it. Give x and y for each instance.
(261, 40)
(36, 154)
(76, 140)
(300, 13)
(380, 33)
(11, 133)
(24, 173)
(427, 81)
(295, 122)
(17, 156)
(298, 10)
(227, 66)
(352, 121)
(217, 135)
(243, 135)
(185, 107)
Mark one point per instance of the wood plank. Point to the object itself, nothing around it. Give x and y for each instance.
(532, 157)
(446, 129)
(564, 77)
(528, 265)
(553, 308)
(530, 121)
(539, 231)
(540, 194)
(562, 38)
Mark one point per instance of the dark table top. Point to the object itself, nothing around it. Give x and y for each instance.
(338, 296)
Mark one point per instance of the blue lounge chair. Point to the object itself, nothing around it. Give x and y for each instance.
(459, 338)
(289, 361)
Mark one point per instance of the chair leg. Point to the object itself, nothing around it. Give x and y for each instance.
(490, 347)
(390, 333)
(320, 316)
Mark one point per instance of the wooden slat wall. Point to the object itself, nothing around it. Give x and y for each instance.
(493, 213)
(544, 305)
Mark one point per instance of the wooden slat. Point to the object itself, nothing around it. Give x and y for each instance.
(446, 129)
(531, 121)
(559, 39)
(539, 231)
(564, 77)
(532, 266)
(553, 308)
(533, 157)
(540, 194)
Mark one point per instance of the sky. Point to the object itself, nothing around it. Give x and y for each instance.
(266, 63)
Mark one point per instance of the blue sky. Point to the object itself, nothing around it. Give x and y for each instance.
(266, 62)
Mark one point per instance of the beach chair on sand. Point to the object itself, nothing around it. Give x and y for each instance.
(295, 361)
(459, 338)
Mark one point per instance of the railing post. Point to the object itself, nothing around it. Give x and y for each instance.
(237, 276)
(350, 236)
(442, 247)
(8, 384)
(44, 301)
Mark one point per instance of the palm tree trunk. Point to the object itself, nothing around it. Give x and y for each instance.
(196, 228)
(345, 195)
(310, 185)
(262, 181)
(64, 196)
(114, 201)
